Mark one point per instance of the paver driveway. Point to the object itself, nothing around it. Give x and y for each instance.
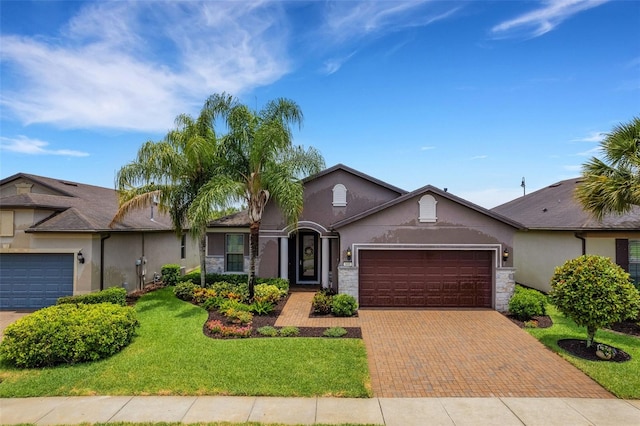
(452, 353)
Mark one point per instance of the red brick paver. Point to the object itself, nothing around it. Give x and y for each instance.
(452, 353)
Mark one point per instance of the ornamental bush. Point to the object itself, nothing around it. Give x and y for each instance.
(68, 334)
(267, 293)
(334, 332)
(170, 274)
(594, 292)
(115, 295)
(344, 305)
(185, 290)
(527, 303)
(321, 303)
(289, 331)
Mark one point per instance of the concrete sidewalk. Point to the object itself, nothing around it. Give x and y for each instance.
(383, 411)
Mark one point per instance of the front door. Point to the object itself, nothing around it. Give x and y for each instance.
(307, 257)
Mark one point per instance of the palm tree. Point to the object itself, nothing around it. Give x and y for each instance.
(613, 185)
(260, 161)
(173, 173)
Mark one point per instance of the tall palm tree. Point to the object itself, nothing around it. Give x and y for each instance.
(173, 172)
(613, 185)
(259, 160)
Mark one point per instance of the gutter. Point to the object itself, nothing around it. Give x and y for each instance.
(584, 242)
(102, 239)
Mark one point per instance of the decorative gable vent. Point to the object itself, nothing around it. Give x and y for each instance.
(23, 188)
(427, 209)
(339, 195)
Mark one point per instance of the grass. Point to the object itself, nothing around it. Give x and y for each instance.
(621, 379)
(171, 356)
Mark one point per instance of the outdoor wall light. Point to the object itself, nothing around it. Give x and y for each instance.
(348, 255)
(80, 257)
(505, 255)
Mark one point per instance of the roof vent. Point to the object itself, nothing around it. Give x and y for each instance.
(555, 185)
(68, 183)
(544, 210)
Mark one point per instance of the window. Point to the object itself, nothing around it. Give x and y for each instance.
(6, 224)
(183, 246)
(634, 261)
(234, 253)
(427, 209)
(339, 195)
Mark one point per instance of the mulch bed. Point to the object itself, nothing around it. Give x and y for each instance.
(543, 321)
(262, 320)
(627, 327)
(579, 348)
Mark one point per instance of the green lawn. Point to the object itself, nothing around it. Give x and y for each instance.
(171, 356)
(621, 379)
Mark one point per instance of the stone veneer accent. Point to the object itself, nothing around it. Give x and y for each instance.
(348, 280)
(215, 265)
(505, 285)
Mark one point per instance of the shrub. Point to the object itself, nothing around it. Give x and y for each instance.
(170, 274)
(115, 295)
(321, 303)
(239, 317)
(68, 333)
(268, 331)
(227, 304)
(217, 328)
(201, 294)
(267, 293)
(334, 332)
(281, 283)
(594, 292)
(527, 303)
(231, 290)
(261, 308)
(212, 303)
(185, 290)
(344, 305)
(289, 331)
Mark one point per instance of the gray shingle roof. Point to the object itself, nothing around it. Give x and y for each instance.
(556, 208)
(80, 208)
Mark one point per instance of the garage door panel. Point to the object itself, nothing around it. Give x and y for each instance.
(34, 280)
(416, 278)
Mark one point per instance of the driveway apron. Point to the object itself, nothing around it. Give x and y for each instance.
(452, 353)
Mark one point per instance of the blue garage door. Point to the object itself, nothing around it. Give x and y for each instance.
(33, 281)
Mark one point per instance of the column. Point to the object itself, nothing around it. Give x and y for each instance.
(325, 262)
(284, 257)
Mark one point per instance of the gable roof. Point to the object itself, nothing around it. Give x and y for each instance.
(424, 190)
(78, 207)
(355, 173)
(556, 208)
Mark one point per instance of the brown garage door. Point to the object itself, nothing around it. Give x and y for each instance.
(425, 278)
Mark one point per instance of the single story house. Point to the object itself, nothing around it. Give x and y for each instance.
(385, 246)
(55, 240)
(557, 228)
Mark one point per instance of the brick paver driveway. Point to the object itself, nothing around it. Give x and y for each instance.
(452, 353)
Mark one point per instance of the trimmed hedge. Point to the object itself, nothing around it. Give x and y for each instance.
(526, 303)
(115, 295)
(68, 334)
(344, 305)
(170, 274)
(235, 279)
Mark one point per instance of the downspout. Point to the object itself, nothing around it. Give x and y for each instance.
(102, 239)
(584, 242)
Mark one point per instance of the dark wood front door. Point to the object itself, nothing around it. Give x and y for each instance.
(425, 278)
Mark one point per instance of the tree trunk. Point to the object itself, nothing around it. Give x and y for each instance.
(254, 230)
(203, 258)
(591, 334)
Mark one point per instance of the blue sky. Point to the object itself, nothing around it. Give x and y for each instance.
(471, 96)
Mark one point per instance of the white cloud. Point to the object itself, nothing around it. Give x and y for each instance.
(491, 197)
(544, 19)
(479, 157)
(136, 65)
(591, 152)
(25, 145)
(334, 64)
(427, 148)
(572, 168)
(592, 137)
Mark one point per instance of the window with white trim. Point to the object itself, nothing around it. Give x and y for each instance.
(339, 195)
(427, 209)
(234, 253)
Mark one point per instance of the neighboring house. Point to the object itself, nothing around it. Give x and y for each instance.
(56, 241)
(559, 229)
(383, 245)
